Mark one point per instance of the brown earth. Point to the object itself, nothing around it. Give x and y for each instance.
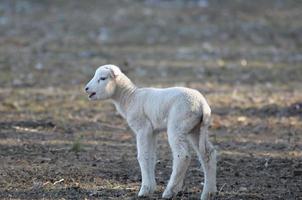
(245, 56)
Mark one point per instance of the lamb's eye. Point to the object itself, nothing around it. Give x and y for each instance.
(102, 78)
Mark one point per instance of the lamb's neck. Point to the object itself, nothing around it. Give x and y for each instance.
(124, 95)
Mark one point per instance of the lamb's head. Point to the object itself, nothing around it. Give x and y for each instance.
(103, 84)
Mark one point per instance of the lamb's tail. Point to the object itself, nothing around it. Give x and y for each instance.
(206, 116)
(206, 122)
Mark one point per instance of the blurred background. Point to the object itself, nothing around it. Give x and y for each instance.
(244, 56)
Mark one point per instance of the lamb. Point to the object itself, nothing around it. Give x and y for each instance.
(183, 112)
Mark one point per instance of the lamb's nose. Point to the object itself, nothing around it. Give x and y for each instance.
(87, 88)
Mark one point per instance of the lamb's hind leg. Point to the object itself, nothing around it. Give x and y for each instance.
(181, 161)
(207, 156)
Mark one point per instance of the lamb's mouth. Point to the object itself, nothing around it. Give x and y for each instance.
(92, 94)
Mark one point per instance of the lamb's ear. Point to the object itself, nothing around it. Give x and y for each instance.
(114, 72)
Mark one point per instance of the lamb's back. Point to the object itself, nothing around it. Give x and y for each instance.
(159, 103)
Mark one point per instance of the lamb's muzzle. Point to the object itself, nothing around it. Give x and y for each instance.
(183, 112)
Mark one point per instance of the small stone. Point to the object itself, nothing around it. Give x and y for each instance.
(39, 66)
(243, 62)
(242, 189)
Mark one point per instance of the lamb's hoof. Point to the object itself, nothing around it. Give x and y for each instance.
(146, 191)
(172, 191)
(168, 194)
(208, 195)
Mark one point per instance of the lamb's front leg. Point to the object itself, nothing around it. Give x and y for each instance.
(146, 155)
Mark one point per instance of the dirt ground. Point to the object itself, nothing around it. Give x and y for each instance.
(245, 56)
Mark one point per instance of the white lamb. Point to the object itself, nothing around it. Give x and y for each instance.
(183, 112)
